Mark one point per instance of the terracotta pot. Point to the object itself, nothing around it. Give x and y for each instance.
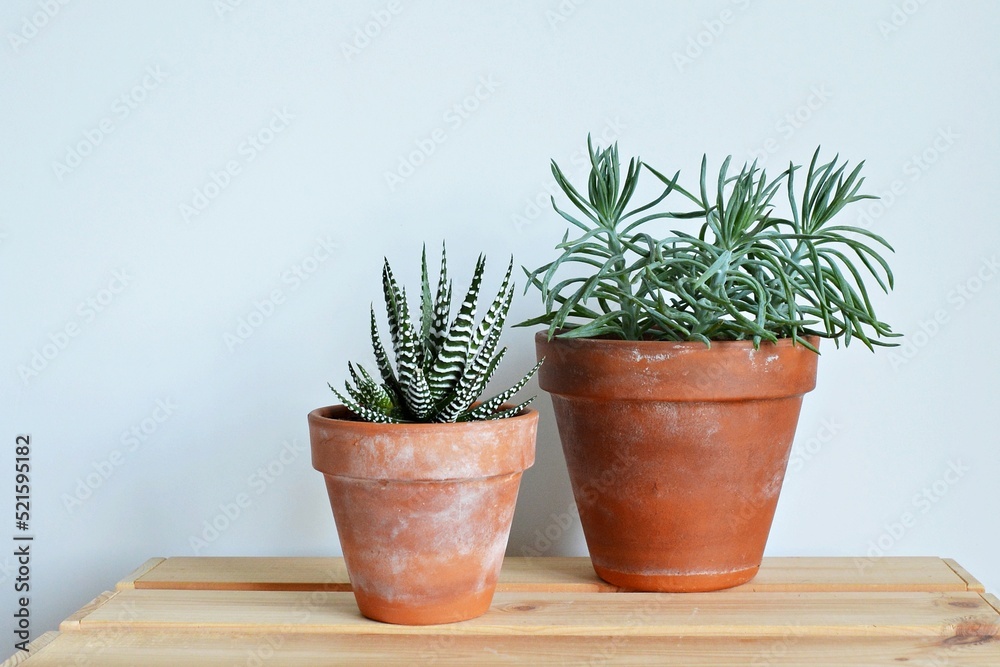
(676, 452)
(423, 510)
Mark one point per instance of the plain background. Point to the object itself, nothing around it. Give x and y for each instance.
(155, 397)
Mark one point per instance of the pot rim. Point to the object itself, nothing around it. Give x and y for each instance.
(785, 341)
(323, 413)
(421, 452)
(675, 371)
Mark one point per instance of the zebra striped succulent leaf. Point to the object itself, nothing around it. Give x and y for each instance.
(442, 366)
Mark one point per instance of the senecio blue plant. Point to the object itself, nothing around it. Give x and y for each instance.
(746, 273)
(442, 366)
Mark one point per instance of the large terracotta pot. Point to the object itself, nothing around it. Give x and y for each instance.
(423, 511)
(676, 452)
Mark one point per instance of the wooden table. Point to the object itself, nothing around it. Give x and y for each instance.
(300, 611)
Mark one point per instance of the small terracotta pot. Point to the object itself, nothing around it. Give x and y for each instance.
(676, 452)
(423, 511)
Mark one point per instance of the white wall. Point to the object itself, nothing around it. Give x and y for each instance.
(888, 82)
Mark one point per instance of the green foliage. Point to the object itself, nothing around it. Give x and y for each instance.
(441, 369)
(745, 274)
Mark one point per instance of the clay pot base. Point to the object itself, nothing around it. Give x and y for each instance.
(676, 583)
(456, 608)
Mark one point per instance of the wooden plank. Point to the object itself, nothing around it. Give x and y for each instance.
(551, 575)
(34, 647)
(129, 581)
(288, 574)
(555, 575)
(248, 574)
(776, 575)
(73, 621)
(746, 614)
(208, 649)
(992, 601)
(970, 581)
(898, 574)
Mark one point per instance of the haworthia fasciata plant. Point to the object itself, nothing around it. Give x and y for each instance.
(442, 366)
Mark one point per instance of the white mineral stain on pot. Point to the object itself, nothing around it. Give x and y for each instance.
(463, 529)
(457, 460)
(773, 487)
(394, 451)
(670, 572)
(657, 358)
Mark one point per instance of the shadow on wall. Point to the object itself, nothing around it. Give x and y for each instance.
(546, 522)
